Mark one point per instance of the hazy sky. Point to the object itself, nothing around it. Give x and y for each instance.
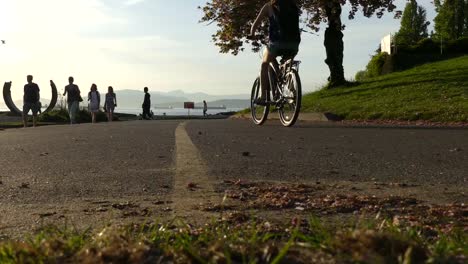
(130, 44)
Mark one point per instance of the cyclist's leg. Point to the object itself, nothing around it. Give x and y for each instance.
(268, 56)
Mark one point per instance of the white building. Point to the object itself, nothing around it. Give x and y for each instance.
(386, 44)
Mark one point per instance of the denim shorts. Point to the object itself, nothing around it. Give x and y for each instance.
(33, 107)
(283, 49)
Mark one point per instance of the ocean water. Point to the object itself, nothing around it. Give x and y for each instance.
(176, 111)
(168, 112)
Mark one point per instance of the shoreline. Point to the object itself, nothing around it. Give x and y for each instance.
(9, 121)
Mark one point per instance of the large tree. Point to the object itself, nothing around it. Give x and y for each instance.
(413, 24)
(450, 22)
(465, 31)
(234, 18)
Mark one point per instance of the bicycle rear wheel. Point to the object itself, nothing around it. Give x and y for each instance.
(292, 94)
(259, 112)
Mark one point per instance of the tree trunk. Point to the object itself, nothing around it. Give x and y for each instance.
(334, 44)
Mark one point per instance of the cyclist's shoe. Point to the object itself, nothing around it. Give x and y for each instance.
(260, 101)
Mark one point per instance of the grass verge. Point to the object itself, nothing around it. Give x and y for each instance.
(265, 222)
(301, 241)
(434, 92)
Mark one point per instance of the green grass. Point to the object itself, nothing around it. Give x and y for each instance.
(434, 92)
(305, 241)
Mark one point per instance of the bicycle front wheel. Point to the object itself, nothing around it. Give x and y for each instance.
(259, 112)
(292, 98)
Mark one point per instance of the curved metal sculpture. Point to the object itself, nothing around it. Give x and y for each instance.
(8, 101)
(15, 110)
(53, 101)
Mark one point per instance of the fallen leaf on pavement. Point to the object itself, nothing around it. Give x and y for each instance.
(43, 215)
(456, 150)
(122, 206)
(235, 217)
(101, 209)
(317, 199)
(216, 207)
(192, 185)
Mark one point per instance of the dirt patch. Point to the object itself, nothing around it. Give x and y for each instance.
(326, 200)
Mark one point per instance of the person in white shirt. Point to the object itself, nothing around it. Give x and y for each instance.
(94, 99)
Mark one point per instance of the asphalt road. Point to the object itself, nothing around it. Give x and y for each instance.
(79, 172)
(69, 162)
(317, 151)
(104, 173)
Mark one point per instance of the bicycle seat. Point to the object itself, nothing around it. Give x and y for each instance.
(286, 59)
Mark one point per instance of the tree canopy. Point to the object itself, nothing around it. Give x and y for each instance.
(413, 24)
(234, 17)
(451, 21)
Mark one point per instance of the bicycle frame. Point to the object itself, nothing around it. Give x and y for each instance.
(280, 71)
(285, 88)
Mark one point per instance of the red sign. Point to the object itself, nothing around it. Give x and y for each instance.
(189, 105)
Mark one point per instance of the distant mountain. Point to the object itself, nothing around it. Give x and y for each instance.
(229, 103)
(199, 97)
(176, 99)
(134, 99)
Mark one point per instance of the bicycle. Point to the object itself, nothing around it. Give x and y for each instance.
(284, 93)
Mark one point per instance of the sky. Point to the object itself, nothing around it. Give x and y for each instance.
(130, 44)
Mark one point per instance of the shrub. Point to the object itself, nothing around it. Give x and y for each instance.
(432, 46)
(84, 116)
(458, 46)
(55, 116)
(426, 45)
(61, 116)
(375, 66)
(360, 76)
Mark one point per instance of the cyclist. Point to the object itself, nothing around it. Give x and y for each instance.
(284, 36)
